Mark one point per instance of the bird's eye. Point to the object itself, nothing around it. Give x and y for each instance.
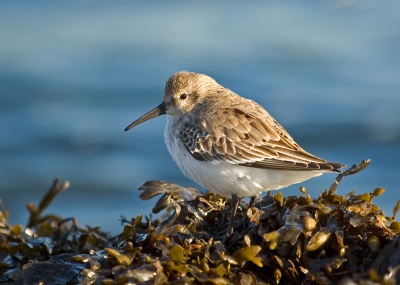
(183, 96)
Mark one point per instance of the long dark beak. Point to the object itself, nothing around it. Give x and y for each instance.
(157, 111)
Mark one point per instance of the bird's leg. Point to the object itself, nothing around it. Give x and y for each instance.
(251, 204)
(252, 200)
(234, 206)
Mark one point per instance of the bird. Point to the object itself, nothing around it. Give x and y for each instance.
(229, 144)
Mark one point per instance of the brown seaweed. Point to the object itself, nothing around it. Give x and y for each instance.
(330, 239)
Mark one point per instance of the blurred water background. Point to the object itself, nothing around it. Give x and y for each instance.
(74, 74)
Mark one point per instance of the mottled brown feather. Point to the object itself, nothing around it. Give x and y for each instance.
(233, 136)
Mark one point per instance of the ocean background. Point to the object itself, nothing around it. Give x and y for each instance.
(74, 74)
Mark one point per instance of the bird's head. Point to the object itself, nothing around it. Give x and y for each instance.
(183, 91)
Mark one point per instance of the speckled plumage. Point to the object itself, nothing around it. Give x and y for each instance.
(228, 144)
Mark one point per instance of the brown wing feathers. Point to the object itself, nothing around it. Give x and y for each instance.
(237, 137)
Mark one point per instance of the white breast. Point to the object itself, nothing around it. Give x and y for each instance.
(226, 179)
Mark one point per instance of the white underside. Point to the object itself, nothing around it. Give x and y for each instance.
(226, 179)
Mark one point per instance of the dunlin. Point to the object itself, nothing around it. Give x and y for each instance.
(228, 144)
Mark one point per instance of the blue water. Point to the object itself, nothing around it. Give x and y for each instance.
(74, 74)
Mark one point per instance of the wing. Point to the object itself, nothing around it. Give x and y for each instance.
(233, 136)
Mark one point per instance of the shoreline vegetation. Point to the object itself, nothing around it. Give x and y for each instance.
(331, 239)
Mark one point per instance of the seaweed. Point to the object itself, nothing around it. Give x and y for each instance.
(331, 239)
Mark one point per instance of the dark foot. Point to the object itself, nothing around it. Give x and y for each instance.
(234, 206)
(251, 204)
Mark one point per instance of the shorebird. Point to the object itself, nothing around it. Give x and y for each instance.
(228, 144)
